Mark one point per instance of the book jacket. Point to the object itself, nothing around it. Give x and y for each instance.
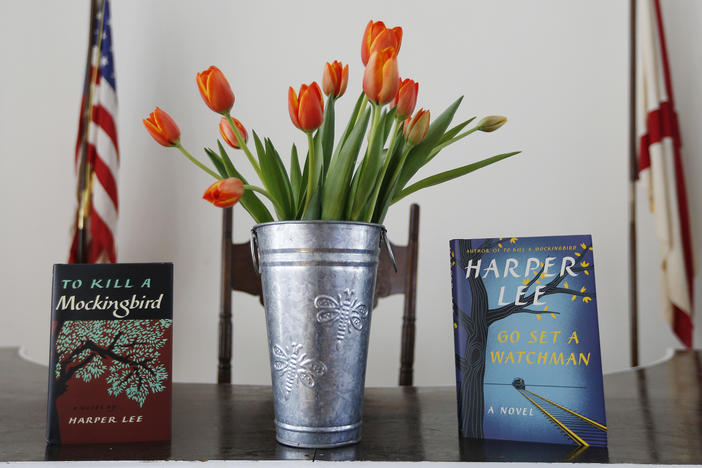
(528, 364)
(111, 351)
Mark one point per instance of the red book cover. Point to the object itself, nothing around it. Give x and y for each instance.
(111, 352)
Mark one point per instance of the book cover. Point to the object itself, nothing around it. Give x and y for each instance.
(111, 351)
(528, 364)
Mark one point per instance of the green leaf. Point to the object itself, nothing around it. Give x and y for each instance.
(418, 155)
(370, 167)
(452, 174)
(455, 131)
(314, 208)
(228, 165)
(303, 190)
(275, 179)
(336, 187)
(295, 177)
(355, 115)
(217, 161)
(327, 133)
(351, 198)
(249, 200)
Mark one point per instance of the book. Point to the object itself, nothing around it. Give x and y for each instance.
(528, 363)
(110, 353)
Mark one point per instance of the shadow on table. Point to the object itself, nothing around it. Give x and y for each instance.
(130, 451)
(510, 451)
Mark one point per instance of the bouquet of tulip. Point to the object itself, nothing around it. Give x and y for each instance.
(332, 184)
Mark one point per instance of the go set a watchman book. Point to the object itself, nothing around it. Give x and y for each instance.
(528, 364)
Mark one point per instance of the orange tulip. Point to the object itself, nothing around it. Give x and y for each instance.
(215, 90)
(335, 78)
(378, 37)
(381, 79)
(307, 109)
(162, 128)
(228, 134)
(224, 193)
(406, 98)
(415, 128)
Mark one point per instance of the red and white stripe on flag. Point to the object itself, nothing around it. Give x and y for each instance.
(661, 170)
(102, 150)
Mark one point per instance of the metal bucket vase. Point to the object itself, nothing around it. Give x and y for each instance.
(318, 281)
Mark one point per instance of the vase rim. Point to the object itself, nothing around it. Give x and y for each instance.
(318, 221)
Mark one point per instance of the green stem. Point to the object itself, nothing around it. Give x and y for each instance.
(457, 137)
(311, 169)
(443, 145)
(196, 162)
(242, 145)
(383, 170)
(256, 188)
(361, 109)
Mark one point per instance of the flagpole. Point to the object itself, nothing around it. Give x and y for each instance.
(84, 168)
(633, 176)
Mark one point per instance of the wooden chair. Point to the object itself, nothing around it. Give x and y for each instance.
(237, 258)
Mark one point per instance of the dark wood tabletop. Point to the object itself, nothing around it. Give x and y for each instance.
(654, 415)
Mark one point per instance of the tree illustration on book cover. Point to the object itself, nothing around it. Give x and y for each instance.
(126, 354)
(125, 357)
(528, 363)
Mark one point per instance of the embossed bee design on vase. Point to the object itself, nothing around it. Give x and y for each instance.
(346, 312)
(296, 366)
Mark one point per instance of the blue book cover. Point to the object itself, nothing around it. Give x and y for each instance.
(528, 364)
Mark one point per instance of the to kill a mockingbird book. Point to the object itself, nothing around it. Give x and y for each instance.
(111, 351)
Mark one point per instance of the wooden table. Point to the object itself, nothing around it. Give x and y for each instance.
(654, 415)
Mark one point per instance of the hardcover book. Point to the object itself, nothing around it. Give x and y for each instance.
(528, 363)
(111, 351)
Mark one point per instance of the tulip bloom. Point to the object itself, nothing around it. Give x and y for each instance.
(307, 109)
(224, 193)
(491, 123)
(381, 79)
(215, 90)
(334, 79)
(378, 37)
(415, 128)
(406, 98)
(162, 128)
(228, 134)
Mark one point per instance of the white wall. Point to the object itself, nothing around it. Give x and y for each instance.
(557, 69)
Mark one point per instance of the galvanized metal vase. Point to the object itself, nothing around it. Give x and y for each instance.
(318, 281)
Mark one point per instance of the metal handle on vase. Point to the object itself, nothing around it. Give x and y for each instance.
(384, 235)
(253, 243)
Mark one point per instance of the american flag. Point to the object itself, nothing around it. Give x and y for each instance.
(661, 169)
(98, 201)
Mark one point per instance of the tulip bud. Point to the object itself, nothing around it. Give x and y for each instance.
(406, 98)
(334, 79)
(415, 128)
(228, 134)
(307, 109)
(378, 37)
(491, 123)
(224, 193)
(215, 90)
(162, 128)
(381, 79)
